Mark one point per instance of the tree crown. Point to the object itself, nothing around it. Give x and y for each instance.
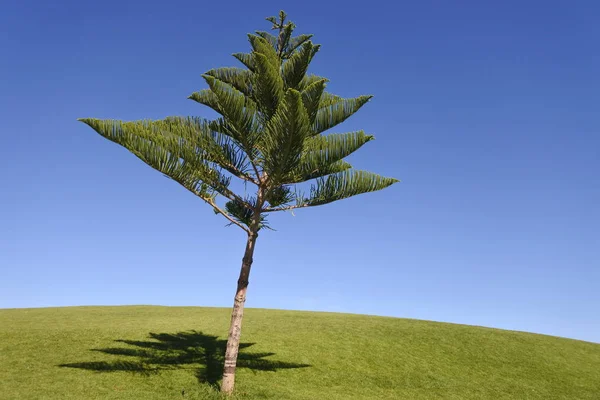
(270, 133)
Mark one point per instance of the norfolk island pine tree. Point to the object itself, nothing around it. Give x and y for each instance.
(270, 134)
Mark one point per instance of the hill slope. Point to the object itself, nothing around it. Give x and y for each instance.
(162, 353)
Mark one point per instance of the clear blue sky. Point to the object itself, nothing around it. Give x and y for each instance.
(487, 112)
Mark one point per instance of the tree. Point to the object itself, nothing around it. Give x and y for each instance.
(270, 134)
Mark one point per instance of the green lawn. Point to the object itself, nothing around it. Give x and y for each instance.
(175, 353)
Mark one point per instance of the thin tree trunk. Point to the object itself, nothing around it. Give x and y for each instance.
(235, 330)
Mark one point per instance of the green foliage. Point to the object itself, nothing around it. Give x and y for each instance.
(295, 68)
(331, 148)
(240, 79)
(271, 133)
(311, 96)
(343, 185)
(334, 111)
(167, 151)
(247, 60)
(323, 154)
(239, 211)
(306, 171)
(273, 40)
(294, 43)
(268, 80)
(284, 139)
(279, 195)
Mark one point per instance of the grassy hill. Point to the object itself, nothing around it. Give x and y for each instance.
(175, 353)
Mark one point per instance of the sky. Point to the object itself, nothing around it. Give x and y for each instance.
(486, 111)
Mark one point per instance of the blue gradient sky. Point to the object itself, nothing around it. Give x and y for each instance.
(487, 111)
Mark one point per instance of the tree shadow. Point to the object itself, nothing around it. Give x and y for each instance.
(203, 354)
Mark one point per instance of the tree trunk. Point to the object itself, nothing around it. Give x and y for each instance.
(235, 330)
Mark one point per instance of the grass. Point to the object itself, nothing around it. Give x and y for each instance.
(147, 353)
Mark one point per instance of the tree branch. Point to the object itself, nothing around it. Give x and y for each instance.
(212, 203)
(223, 213)
(258, 176)
(246, 177)
(228, 194)
(235, 172)
(286, 208)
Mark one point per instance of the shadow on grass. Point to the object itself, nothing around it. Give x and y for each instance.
(200, 353)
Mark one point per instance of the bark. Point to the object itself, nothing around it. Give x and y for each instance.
(235, 329)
